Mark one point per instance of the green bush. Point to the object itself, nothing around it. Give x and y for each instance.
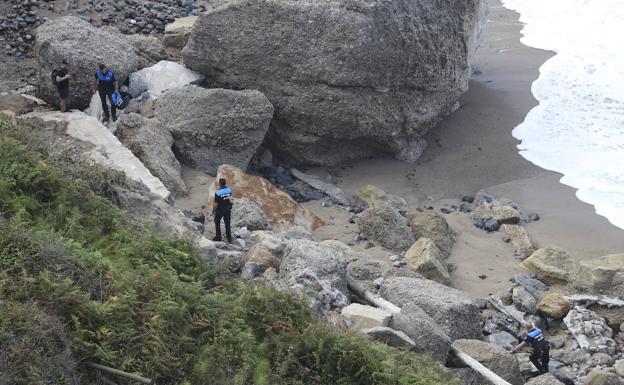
(131, 299)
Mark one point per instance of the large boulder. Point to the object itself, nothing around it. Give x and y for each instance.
(457, 315)
(386, 226)
(544, 379)
(364, 271)
(246, 213)
(495, 358)
(590, 331)
(148, 49)
(178, 32)
(519, 240)
(85, 46)
(262, 257)
(318, 271)
(419, 326)
(371, 75)
(151, 142)
(601, 377)
(373, 196)
(215, 126)
(551, 264)
(554, 305)
(523, 300)
(425, 258)
(430, 224)
(604, 275)
(280, 209)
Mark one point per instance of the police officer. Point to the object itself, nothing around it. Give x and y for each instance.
(61, 80)
(105, 83)
(541, 350)
(222, 208)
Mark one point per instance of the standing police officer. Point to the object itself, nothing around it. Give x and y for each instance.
(222, 208)
(105, 83)
(541, 350)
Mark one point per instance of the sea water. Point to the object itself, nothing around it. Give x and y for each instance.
(578, 127)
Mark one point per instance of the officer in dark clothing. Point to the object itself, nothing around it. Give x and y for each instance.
(222, 208)
(105, 83)
(541, 350)
(61, 79)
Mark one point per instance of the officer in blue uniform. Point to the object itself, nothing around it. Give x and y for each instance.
(222, 208)
(105, 83)
(541, 350)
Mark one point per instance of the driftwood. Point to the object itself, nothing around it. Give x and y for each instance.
(371, 298)
(479, 368)
(120, 373)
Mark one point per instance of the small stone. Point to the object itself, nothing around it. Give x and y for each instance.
(468, 199)
(491, 225)
(482, 276)
(249, 271)
(398, 263)
(444, 210)
(378, 282)
(393, 257)
(506, 239)
(534, 217)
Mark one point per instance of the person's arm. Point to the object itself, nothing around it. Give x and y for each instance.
(95, 82)
(520, 346)
(114, 82)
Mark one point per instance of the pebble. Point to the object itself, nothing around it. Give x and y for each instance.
(444, 210)
(398, 263)
(482, 276)
(468, 199)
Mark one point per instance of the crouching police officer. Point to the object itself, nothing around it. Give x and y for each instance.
(541, 350)
(222, 208)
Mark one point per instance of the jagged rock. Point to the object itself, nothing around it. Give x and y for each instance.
(162, 76)
(273, 243)
(554, 306)
(544, 379)
(495, 322)
(356, 82)
(429, 224)
(601, 377)
(523, 299)
(212, 127)
(246, 213)
(151, 142)
(365, 317)
(318, 271)
(495, 358)
(519, 239)
(551, 264)
(373, 196)
(419, 326)
(390, 337)
(99, 146)
(604, 275)
(178, 32)
(503, 339)
(280, 209)
(457, 315)
(590, 331)
(230, 261)
(425, 258)
(85, 46)
(262, 257)
(386, 226)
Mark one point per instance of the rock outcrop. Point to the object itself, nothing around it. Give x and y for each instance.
(604, 275)
(280, 209)
(551, 264)
(85, 46)
(212, 127)
(151, 142)
(457, 315)
(425, 258)
(348, 79)
(432, 225)
(387, 227)
(495, 358)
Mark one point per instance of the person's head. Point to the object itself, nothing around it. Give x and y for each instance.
(529, 326)
(103, 68)
(222, 182)
(64, 64)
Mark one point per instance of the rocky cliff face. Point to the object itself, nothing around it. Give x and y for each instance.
(348, 79)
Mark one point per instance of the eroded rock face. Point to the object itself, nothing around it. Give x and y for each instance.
(348, 79)
(495, 358)
(85, 46)
(280, 209)
(212, 127)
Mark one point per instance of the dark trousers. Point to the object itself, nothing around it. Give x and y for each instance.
(540, 358)
(103, 95)
(226, 219)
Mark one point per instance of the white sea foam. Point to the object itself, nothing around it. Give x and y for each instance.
(578, 127)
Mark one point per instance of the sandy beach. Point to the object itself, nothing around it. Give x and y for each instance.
(473, 149)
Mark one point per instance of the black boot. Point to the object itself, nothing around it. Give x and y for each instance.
(105, 120)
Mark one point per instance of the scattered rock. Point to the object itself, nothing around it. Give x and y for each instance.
(619, 367)
(523, 300)
(420, 327)
(212, 127)
(246, 213)
(590, 331)
(456, 314)
(387, 227)
(374, 197)
(520, 241)
(17, 104)
(337, 85)
(389, 336)
(365, 317)
(601, 377)
(503, 339)
(250, 271)
(364, 271)
(425, 258)
(495, 358)
(602, 359)
(429, 224)
(544, 379)
(534, 286)
(151, 142)
(604, 275)
(263, 258)
(551, 264)
(554, 306)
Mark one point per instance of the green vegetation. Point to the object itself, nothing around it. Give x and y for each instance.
(79, 282)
